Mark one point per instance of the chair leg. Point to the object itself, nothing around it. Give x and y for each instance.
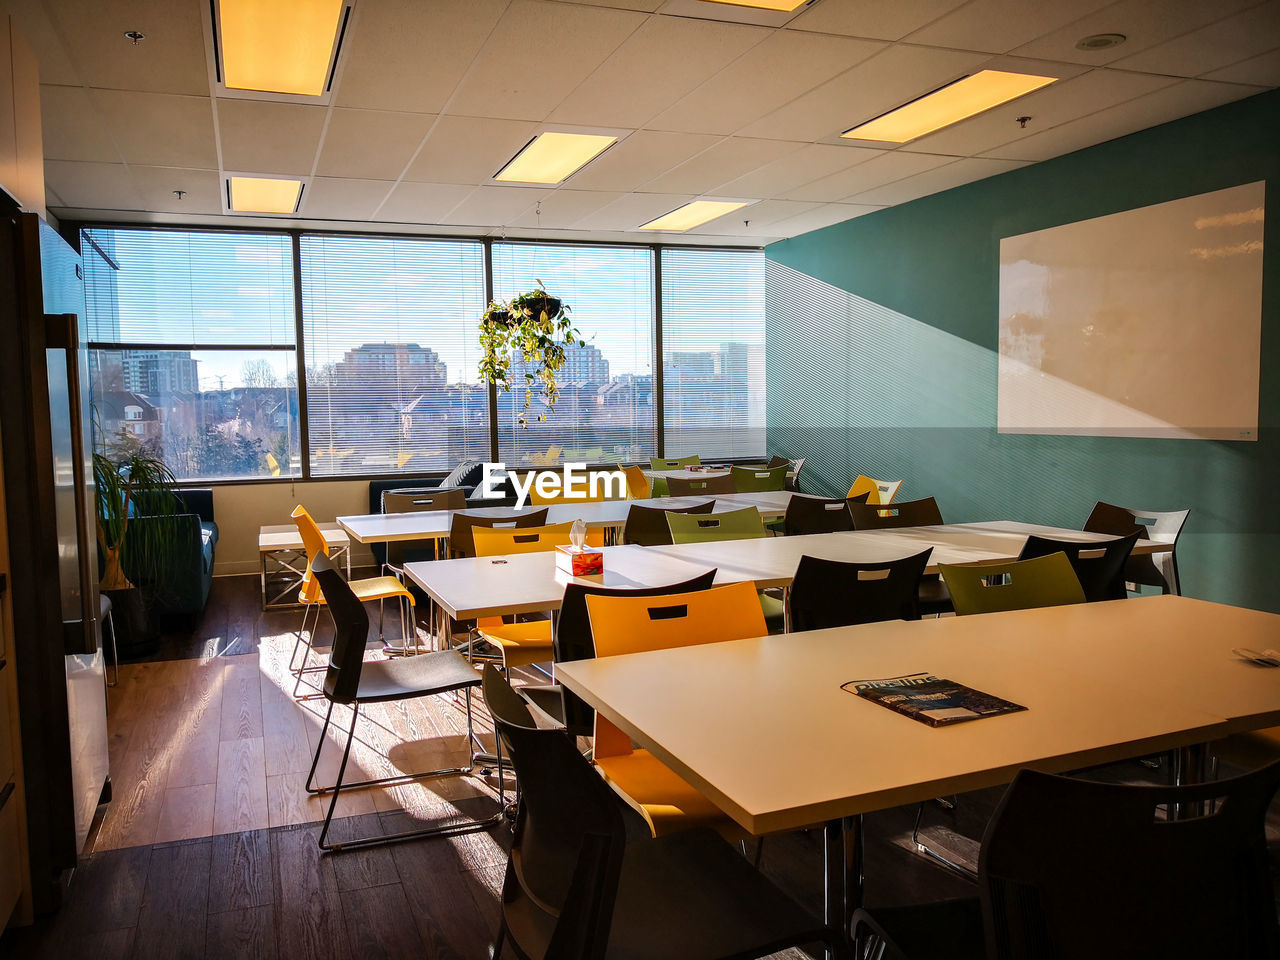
(115, 650)
(303, 668)
(926, 850)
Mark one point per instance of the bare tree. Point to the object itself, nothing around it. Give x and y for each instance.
(258, 373)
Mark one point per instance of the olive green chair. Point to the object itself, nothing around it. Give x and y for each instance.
(1048, 581)
(657, 463)
(759, 479)
(744, 524)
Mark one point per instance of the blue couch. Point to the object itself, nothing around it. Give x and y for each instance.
(182, 588)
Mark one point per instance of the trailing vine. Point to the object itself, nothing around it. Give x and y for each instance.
(536, 327)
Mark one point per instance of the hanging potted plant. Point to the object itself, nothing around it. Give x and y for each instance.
(534, 326)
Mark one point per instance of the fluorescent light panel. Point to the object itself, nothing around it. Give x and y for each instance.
(553, 157)
(278, 46)
(955, 102)
(784, 5)
(694, 214)
(260, 195)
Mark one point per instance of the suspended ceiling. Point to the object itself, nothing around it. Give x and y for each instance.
(432, 97)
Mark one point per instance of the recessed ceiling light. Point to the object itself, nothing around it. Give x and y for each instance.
(278, 46)
(553, 157)
(955, 102)
(694, 214)
(785, 5)
(134, 36)
(262, 195)
(1101, 41)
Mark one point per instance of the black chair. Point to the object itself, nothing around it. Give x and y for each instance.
(400, 552)
(647, 526)
(934, 598)
(1156, 570)
(463, 544)
(696, 486)
(1099, 566)
(352, 682)
(793, 470)
(572, 640)
(1072, 869)
(575, 889)
(816, 515)
(829, 593)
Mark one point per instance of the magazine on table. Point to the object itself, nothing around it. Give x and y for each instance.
(932, 700)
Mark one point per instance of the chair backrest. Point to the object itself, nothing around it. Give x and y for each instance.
(1069, 864)
(636, 624)
(658, 463)
(777, 461)
(1099, 566)
(816, 515)
(491, 542)
(647, 526)
(1012, 584)
(830, 593)
(568, 841)
(877, 491)
(755, 480)
(316, 545)
(351, 632)
(638, 485)
(793, 481)
(696, 486)
(400, 552)
(744, 524)
(462, 526)
(1162, 526)
(572, 638)
(908, 513)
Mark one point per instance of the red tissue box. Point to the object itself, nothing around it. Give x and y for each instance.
(580, 563)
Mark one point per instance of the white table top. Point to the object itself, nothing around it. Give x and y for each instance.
(383, 527)
(285, 536)
(754, 724)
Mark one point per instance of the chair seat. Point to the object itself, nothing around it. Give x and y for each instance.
(521, 643)
(946, 930)
(547, 697)
(380, 588)
(933, 596)
(774, 609)
(663, 797)
(419, 676)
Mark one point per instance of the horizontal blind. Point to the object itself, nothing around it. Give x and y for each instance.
(713, 352)
(392, 350)
(605, 410)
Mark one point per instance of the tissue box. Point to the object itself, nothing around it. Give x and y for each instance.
(580, 563)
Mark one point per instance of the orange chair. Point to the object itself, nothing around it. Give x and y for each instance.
(627, 625)
(877, 491)
(310, 597)
(638, 485)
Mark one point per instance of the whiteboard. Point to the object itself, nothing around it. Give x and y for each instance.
(1145, 323)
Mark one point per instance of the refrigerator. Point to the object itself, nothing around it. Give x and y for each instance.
(44, 403)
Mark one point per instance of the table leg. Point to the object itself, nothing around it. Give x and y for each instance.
(842, 862)
(1190, 766)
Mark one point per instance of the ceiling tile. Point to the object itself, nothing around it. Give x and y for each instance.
(170, 60)
(422, 202)
(659, 63)
(538, 53)
(886, 168)
(495, 206)
(956, 174)
(408, 55)
(331, 198)
(873, 18)
(780, 69)
(1144, 23)
(638, 158)
(563, 208)
(1240, 37)
(899, 74)
(725, 161)
(202, 189)
(1263, 70)
(469, 149)
(1047, 107)
(756, 219)
(33, 23)
(631, 210)
(998, 26)
(823, 216)
(160, 129)
(370, 145)
(263, 137)
(72, 128)
(811, 162)
(100, 186)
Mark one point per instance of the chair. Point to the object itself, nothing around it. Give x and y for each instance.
(816, 515)
(658, 463)
(311, 598)
(793, 475)
(1099, 566)
(877, 491)
(1155, 570)
(1118, 882)
(185, 528)
(695, 486)
(744, 524)
(647, 526)
(634, 624)
(499, 541)
(830, 593)
(575, 889)
(1012, 585)
(881, 516)
(350, 681)
(400, 552)
(461, 527)
(754, 480)
(638, 485)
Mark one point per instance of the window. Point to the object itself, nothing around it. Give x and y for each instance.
(192, 349)
(392, 349)
(605, 409)
(713, 352)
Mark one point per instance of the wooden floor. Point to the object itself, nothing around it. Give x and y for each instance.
(208, 849)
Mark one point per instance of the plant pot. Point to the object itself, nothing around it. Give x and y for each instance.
(502, 318)
(550, 305)
(136, 632)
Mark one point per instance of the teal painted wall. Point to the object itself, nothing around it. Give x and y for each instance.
(882, 334)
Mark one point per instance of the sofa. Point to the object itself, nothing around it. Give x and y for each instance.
(182, 588)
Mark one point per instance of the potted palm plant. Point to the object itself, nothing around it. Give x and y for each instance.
(538, 326)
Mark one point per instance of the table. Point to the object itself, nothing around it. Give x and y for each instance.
(755, 724)
(283, 560)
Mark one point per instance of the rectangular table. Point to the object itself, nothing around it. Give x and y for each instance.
(763, 728)
(283, 561)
